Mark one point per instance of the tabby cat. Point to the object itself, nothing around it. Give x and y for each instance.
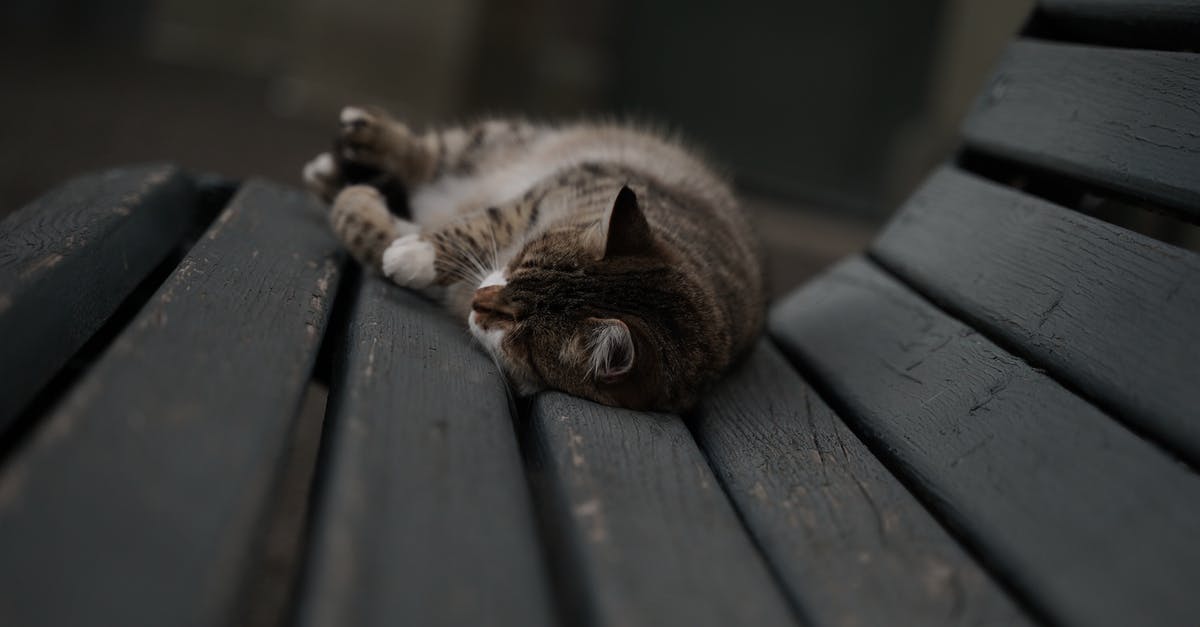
(596, 259)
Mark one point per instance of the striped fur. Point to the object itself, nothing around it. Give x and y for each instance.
(596, 259)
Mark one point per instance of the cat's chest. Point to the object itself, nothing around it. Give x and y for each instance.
(496, 184)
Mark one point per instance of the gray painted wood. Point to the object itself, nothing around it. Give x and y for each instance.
(1137, 23)
(138, 501)
(1125, 120)
(68, 259)
(1115, 314)
(1091, 524)
(644, 533)
(425, 516)
(851, 544)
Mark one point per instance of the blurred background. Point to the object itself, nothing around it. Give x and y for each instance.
(826, 113)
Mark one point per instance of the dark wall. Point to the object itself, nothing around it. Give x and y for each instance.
(114, 21)
(801, 98)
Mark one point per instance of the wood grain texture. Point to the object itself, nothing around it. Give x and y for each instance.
(1091, 524)
(644, 533)
(1115, 314)
(1126, 120)
(1135, 23)
(138, 501)
(851, 544)
(425, 515)
(68, 259)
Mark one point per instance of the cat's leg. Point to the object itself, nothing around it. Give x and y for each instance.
(372, 139)
(373, 148)
(466, 250)
(362, 222)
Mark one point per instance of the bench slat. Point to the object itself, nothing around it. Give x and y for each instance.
(139, 500)
(1120, 119)
(425, 515)
(644, 529)
(1092, 524)
(851, 544)
(67, 261)
(1115, 314)
(1148, 23)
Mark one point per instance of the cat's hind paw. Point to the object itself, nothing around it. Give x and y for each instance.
(369, 137)
(409, 261)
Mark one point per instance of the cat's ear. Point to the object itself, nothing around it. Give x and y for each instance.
(626, 231)
(610, 350)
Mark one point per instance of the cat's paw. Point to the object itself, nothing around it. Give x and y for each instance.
(369, 137)
(361, 207)
(409, 261)
(322, 176)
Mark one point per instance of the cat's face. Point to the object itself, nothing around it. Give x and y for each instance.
(595, 312)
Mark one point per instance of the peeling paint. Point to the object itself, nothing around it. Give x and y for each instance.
(575, 444)
(591, 511)
(45, 263)
(370, 369)
(222, 220)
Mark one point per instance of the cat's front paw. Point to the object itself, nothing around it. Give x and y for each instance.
(409, 261)
(323, 177)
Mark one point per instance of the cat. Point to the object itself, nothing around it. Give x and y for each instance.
(594, 258)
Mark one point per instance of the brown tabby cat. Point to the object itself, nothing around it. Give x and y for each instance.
(591, 258)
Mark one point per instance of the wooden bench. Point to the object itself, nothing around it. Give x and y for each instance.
(992, 416)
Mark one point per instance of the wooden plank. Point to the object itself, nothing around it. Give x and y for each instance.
(1111, 312)
(138, 501)
(851, 545)
(1125, 120)
(1091, 524)
(1136, 23)
(425, 516)
(68, 259)
(643, 533)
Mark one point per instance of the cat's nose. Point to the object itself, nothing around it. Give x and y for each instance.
(487, 299)
(489, 308)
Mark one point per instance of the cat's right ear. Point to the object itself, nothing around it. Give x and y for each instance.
(626, 231)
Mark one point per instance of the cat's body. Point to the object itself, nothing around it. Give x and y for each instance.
(592, 258)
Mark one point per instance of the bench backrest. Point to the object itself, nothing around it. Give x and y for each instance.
(1018, 356)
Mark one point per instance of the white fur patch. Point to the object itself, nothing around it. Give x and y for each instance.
(319, 169)
(495, 278)
(350, 115)
(409, 261)
(490, 338)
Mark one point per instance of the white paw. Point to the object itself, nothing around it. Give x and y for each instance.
(409, 261)
(320, 168)
(320, 174)
(351, 115)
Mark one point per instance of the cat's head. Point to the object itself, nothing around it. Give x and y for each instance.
(600, 311)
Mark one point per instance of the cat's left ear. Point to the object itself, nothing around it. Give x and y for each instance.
(626, 231)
